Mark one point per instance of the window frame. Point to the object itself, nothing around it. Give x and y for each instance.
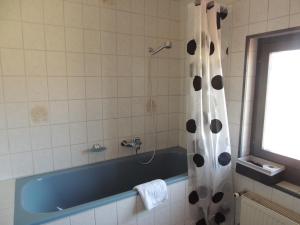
(288, 39)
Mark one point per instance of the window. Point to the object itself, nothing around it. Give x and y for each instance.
(275, 133)
(282, 108)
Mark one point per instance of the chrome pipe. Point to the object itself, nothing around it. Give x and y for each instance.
(166, 45)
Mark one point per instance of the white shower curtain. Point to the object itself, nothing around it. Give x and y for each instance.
(208, 140)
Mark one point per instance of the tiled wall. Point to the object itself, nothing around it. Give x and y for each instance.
(130, 211)
(252, 17)
(74, 73)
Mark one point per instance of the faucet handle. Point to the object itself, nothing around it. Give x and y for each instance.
(137, 140)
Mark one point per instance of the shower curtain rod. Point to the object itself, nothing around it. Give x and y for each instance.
(211, 4)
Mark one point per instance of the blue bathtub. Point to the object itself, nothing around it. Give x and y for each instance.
(44, 198)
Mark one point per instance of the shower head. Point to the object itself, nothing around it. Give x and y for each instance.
(165, 45)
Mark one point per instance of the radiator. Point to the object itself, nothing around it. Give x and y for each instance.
(256, 210)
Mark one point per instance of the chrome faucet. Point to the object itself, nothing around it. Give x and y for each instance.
(135, 143)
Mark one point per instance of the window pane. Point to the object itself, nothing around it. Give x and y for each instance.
(281, 133)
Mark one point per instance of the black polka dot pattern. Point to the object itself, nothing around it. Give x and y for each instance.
(227, 51)
(211, 48)
(219, 218)
(217, 82)
(218, 20)
(197, 83)
(193, 197)
(217, 197)
(198, 160)
(223, 14)
(191, 47)
(191, 126)
(215, 126)
(201, 222)
(224, 158)
(210, 5)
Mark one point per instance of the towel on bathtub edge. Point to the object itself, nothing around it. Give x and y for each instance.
(153, 193)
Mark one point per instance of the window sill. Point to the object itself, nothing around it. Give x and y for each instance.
(283, 186)
(288, 188)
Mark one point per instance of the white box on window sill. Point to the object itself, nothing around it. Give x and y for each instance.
(261, 165)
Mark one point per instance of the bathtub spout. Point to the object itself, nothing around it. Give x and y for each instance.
(135, 143)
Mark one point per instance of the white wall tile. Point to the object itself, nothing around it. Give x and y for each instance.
(93, 87)
(258, 10)
(37, 89)
(110, 129)
(32, 10)
(92, 41)
(77, 111)
(91, 17)
(19, 140)
(138, 6)
(56, 64)
(106, 215)
(59, 112)
(127, 209)
(138, 24)
(73, 14)
(80, 155)
(278, 8)
(17, 115)
(55, 38)
(10, 10)
(76, 88)
(239, 38)
(60, 135)
(294, 20)
(57, 88)
(92, 64)
(43, 161)
(61, 158)
(74, 40)
(151, 7)
(12, 62)
(294, 6)
(123, 44)
(86, 218)
(11, 34)
(124, 87)
(64, 221)
(124, 107)
(40, 137)
(94, 109)
(3, 142)
(110, 109)
(278, 23)
(108, 43)
(123, 22)
(108, 19)
(78, 133)
(256, 28)
(5, 167)
(34, 36)
(35, 63)
(109, 87)
(22, 164)
(94, 131)
(53, 12)
(124, 127)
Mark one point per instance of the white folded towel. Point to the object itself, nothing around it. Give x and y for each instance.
(153, 193)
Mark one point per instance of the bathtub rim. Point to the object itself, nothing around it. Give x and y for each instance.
(23, 217)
